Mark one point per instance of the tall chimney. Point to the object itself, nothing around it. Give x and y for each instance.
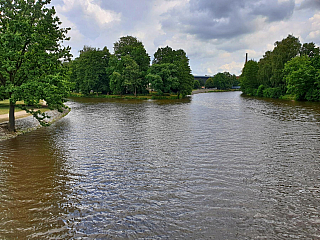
(246, 57)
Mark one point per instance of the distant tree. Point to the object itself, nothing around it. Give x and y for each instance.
(130, 73)
(300, 76)
(125, 76)
(309, 49)
(209, 83)
(135, 49)
(248, 78)
(163, 77)
(196, 84)
(31, 56)
(265, 69)
(181, 61)
(116, 83)
(283, 52)
(89, 70)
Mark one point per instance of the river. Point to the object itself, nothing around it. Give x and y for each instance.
(213, 166)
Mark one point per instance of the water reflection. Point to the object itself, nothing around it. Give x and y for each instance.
(34, 188)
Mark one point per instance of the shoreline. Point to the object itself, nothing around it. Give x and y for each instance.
(28, 124)
(212, 90)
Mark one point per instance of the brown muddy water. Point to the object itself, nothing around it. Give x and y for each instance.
(215, 166)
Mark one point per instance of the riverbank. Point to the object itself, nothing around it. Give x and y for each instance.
(212, 90)
(28, 124)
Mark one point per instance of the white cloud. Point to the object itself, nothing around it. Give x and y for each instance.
(91, 10)
(315, 27)
(158, 23)
(231, 67)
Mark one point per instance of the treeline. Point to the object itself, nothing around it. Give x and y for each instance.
(222, 81)
(128, 70)
(291, 70)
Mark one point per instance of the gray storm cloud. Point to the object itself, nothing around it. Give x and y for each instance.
(220, 19)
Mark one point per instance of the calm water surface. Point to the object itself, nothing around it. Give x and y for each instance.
(215, 166)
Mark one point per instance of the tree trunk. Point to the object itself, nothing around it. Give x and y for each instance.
(12, 123)
(135, 91)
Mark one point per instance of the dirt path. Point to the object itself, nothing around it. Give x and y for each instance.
(20, 114)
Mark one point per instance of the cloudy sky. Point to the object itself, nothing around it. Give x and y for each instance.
(215, 34)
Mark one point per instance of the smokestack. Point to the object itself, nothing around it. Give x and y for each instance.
(246, 57)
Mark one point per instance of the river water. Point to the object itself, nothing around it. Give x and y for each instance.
(214, 166)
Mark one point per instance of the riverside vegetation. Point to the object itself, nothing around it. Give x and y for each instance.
(290, 71)
(35, 65)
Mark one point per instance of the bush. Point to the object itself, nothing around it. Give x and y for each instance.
(273, 92)
(313, 95)
(260, 91)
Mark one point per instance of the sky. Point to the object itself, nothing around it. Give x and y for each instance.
(215, 34)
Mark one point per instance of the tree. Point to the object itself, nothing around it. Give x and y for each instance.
(223, 80)
(300, 76)
(131, 78)
(125, 76)
(196, 84)
(180, 60)
(248, 78)
(309, 49)
(283, 52)
(135, 49)
(89, 70)
(163, 77)
(31, 55)
(209, 83)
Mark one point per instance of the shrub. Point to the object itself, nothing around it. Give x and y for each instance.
(273, 92)
(260, 91)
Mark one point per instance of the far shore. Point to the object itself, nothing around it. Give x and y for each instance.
(208, 90)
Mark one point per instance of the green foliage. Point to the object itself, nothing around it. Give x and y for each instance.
(135, 49)
(260, 91)
(248, 78)
(181, 61)
(89, 70)
(300, 76)
(116, 83)
(125, 77)
(309, 49)
(196, 84)
(271, 66)
(209, 83)
(163, 77)
(224, 81)
(272, 92)
(31, 55)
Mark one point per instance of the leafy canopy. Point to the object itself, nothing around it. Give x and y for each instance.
(31, 55)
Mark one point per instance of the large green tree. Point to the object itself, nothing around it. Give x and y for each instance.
(131, 46)
(163, 77)
(271, 66)
(248, 78)
(209, 83)
(31, 55)
(125, 77)
(89, 70)
(301, 78)
(224, 80)
(180, 60)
